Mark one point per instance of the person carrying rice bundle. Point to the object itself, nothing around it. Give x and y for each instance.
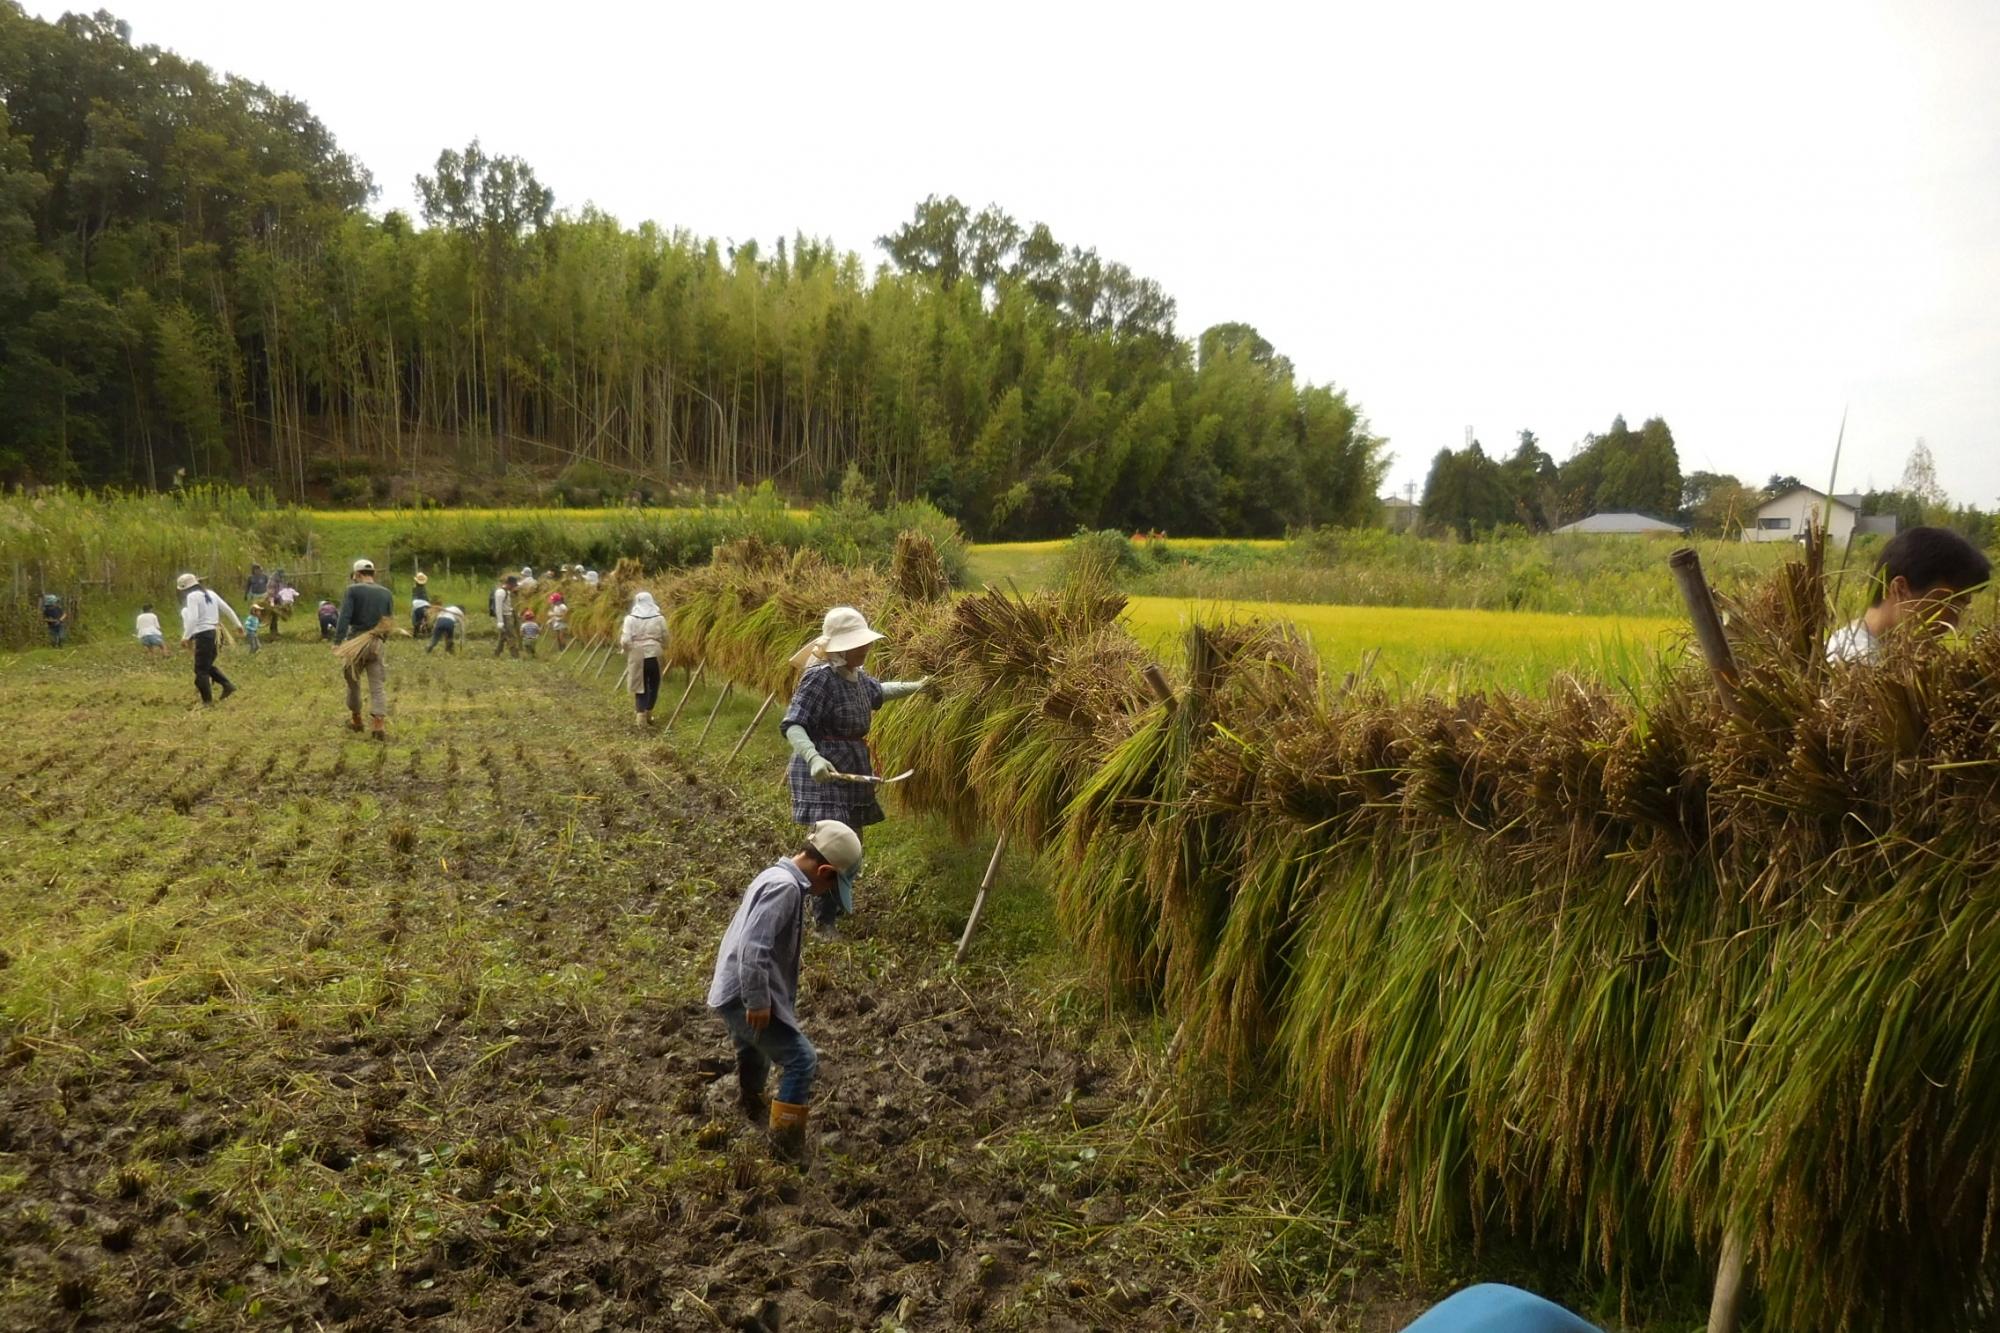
(366, 614)
(643, 636)
(827, 726)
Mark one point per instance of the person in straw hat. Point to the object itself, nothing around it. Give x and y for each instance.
(827, 726)
(202, 614)
(420, 605)
(643, 636)
(365, 612)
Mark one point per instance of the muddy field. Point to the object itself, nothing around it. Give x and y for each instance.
(303, 1030)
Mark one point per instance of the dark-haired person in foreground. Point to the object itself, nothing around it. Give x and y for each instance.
(1924, 577)
(757, 979)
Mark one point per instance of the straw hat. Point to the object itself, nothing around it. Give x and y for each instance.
(837, 844)
(364, 566)
(186, 581)
(423, 578)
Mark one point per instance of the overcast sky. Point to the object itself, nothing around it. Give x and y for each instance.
(1741, 217)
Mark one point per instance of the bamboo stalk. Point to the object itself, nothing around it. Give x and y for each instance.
(1722, 1310)
(694, 676)
(713, 710)
(744, 740)
(1686, 566)
(979, 901)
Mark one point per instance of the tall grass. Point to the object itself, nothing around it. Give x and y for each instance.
(1623, 969)
(1571, 574)
(658, 539)
(106, 554)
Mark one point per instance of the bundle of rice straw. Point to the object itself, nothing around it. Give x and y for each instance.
(358, 650)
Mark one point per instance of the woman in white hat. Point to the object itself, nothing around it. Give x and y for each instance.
(644, 639)
(827, 725)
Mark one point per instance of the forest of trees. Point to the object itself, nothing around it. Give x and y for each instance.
(190, 280)
(1621, 470)
(1471, 494)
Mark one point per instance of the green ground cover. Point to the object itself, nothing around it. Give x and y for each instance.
(303, 1029)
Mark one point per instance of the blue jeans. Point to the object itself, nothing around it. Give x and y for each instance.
(778, 1044)
(1493, 1308)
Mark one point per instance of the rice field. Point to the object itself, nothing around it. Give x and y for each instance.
(1409, 645)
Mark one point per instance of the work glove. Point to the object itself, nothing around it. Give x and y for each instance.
(821, 768)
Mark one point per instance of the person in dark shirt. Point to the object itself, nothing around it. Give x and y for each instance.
(365, 607)
(55, 617)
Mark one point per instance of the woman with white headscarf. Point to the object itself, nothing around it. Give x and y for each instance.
(827, 725)
(644, 639)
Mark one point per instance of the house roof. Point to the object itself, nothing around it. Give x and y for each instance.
(1396, 502)
(1846, 501)
(1620, 522)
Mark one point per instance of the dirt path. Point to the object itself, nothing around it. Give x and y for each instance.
(299, 1030)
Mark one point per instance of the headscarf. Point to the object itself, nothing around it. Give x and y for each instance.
(643, 606)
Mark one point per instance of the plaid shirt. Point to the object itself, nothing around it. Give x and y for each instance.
(835, 712)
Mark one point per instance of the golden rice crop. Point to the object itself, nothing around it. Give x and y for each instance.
(1623, 969)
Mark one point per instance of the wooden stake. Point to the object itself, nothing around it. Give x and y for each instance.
(694, 677)
(727, 686)
(1156, 681)
(1728, 1284)
(979, 902)
(744, 740)
(1686, 565)
(608, 655)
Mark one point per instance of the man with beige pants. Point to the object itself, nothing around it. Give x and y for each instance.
(366, 606)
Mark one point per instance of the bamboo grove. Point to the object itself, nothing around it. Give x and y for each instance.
(1619, 973)
(189, 280)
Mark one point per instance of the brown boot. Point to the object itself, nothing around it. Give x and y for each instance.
(381, 727)
(354, 720)
(788, 1132)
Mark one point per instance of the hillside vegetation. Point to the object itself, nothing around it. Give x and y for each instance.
(190, 280)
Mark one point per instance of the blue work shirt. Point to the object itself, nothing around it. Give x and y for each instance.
(758, 962)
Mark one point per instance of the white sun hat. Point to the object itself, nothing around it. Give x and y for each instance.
(185, 581)
(838, 844)
(364, 566)
(846, 629)
(843, 630)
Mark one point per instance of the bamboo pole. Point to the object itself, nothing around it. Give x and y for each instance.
(1708, 632)
(1686, 566)
(693, 677)
(1722, 1310)
(608, 655)
(744, 740)
(1156, 681)
(979, 901)
(702, 740)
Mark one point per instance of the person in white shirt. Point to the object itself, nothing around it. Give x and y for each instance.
(1924, 577)
(147, 630)
(643, 636)
(202, 614)
(506, 617)
(445, 626)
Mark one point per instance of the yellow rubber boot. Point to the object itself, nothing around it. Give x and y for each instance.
(788, 1131)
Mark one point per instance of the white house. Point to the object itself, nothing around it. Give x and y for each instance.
(1784, 518)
